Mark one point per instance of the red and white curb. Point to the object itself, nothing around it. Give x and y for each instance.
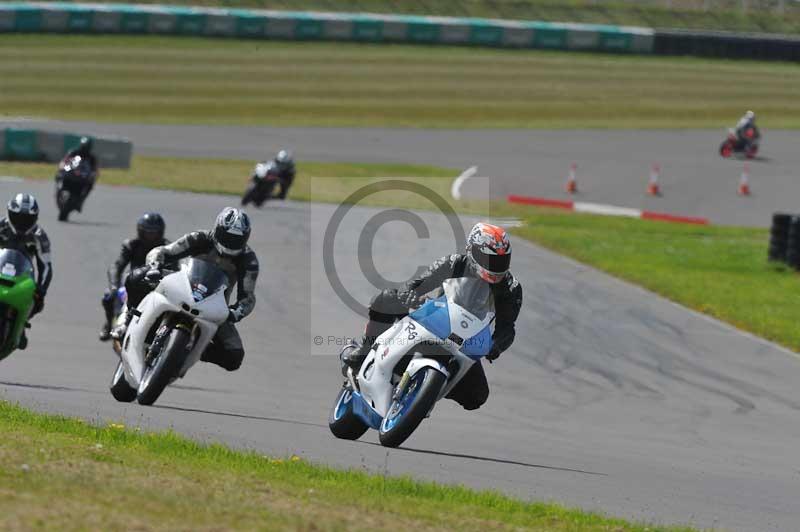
(607, 210)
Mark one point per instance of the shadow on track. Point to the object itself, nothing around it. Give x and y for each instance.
(489, 459)
(242, 416)
(43, 387)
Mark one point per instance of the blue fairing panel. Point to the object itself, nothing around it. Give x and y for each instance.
(479, 345)
(434, 316)
(365, 412)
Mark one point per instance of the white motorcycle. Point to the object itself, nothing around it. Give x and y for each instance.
(418, 361)
(169, 330)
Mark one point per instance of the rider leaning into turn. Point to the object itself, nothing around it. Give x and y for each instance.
(149, 234)
(19, 230)
(747, 121)
(487, 257)
(84, 150)
(226, 246)
(284, 164)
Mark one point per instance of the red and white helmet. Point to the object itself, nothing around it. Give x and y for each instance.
(489, 252)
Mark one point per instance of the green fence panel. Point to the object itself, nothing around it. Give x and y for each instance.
(553, 38)
(615, 41)
(20, 145)
(486, 35)
(7, 20)
(220, 25)
(337, 30)
(308, 29)
(134, 22)
(54, 20)
(2, 144)
(80, 21)
(162, 23)
(250, 25)
(368, 30)
(190, 23)
(106, 21)
(426, 32)
(28, 19)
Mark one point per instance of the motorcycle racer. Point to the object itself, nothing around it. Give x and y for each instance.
(284, 164)
(84, 150)
(747, 121)
(226, 246)
(487, 257)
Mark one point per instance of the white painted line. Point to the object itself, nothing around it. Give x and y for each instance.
(608, 210)
(455, 189)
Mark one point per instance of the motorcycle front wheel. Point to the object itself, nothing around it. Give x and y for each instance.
(164, 368)
(63, 200)
(408, 411)
(342, 421)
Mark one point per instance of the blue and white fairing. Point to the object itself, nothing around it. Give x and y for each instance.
(457, 320)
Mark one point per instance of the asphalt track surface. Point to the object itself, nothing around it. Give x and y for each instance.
(611, 398)
(613, 166)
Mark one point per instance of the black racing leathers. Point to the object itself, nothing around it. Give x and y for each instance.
(84, 154)
(36, 245)
(226, 350)
(390, 305)
(286, 175)
(133, 254)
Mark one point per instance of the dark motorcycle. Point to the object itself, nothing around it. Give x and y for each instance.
(74, 176)
(265, 178)
(746, 145)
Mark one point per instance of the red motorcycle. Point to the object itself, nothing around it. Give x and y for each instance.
(747, 144)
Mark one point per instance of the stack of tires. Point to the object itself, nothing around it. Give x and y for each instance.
(784, 239)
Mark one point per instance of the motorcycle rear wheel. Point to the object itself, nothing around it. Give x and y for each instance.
(165, 367)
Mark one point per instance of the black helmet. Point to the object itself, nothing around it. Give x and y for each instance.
(150, 227)
(231, 231)
(85, 145)
(23, 212)
(284, 160)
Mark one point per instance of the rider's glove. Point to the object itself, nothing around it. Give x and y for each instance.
(154, 275)
(233, 317)
(494, 352)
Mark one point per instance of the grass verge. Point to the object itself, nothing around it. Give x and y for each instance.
(726, 15)
(214, 81)
(62, 474)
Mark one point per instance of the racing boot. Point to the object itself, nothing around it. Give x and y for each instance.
(105, 332)
(23, 341)
(353, 355)
(119, 332)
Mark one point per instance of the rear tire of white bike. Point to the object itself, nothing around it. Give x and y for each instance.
(402, 427)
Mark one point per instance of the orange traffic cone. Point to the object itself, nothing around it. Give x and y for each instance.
(653, 189)
(572, 184)
(744, 181)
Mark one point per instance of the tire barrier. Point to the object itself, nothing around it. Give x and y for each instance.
(793, 243)
(36, 145)
(47, 17)
(779, 236)
(726, 44)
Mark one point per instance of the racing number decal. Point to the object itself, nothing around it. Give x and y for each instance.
(412, 331)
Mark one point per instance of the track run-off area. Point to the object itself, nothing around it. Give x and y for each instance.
(610, 399)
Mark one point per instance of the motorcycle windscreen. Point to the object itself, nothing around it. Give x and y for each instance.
(14, 263)
(434, 316)
(205, 278)
(471, 294)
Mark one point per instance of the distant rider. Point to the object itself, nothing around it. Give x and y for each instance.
(84, 150)
(226, 246)
(488, 257)
(746, 122)
(19, 230)
(284, 165)
(149, 234)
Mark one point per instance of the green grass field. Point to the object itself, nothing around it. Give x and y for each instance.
(62, 474)
(207, 81)
(726, 15)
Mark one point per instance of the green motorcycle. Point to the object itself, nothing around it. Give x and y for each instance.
(17, 287)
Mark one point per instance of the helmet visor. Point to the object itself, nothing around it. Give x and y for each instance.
(495, 264)
(22, 222)
(231, 242)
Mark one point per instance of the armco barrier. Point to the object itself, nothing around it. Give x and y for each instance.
(265, 24)
(725, 44)
(35, 145)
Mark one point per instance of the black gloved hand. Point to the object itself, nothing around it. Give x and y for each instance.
(494, 352)
(153, 276)
(232, 316)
